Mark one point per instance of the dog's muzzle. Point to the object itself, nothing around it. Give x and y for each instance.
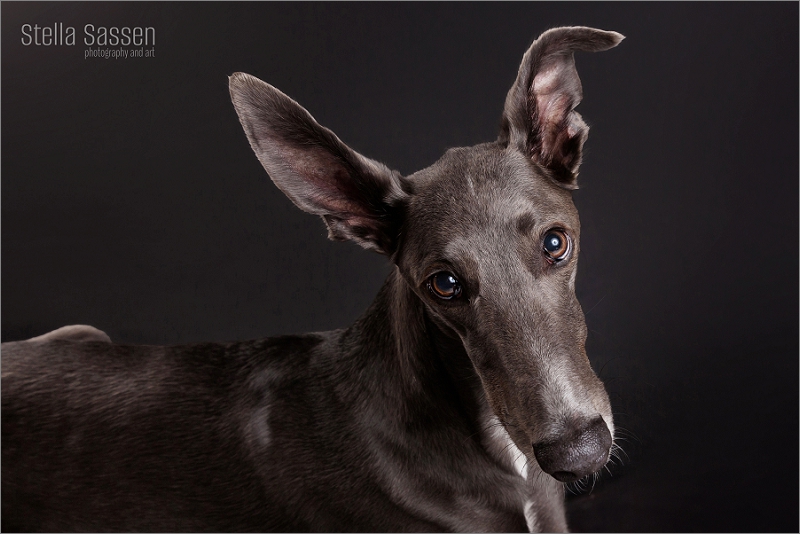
(577, 454)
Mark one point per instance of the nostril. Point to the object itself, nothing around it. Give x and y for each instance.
(576, 454)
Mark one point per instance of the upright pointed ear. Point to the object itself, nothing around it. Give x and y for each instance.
(539, 118)
(358, 198)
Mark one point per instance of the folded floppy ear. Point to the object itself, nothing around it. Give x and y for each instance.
(358, 198)
(538, 118)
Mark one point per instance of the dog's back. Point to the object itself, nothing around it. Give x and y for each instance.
(268, 435)
(155, 430)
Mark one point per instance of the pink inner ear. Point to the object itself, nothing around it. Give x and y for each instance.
(552, 110)
(548, 79)
(555, 90)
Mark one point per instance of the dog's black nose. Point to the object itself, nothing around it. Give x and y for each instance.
(577, 454)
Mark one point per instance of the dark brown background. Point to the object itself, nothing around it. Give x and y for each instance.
(131, 201)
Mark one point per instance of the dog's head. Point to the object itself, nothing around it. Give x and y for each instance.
(488, 238)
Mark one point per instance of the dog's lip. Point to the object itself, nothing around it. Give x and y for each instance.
(569, 476)
(565, 476)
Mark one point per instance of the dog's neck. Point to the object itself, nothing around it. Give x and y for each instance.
(425, 363)
(429, 428)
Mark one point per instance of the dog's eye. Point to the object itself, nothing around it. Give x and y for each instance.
(556, 245)
(444, 285)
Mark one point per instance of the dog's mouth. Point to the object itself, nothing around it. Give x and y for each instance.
(593, 466)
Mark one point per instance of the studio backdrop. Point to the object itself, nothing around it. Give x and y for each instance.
(131, 201)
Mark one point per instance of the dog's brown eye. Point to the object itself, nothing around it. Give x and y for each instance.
(444, 285)
(556, 245)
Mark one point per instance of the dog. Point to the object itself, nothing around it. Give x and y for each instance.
(461, 400)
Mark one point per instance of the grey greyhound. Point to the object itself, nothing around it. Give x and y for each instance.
(461, 400)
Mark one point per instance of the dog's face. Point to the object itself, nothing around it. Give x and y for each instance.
(487, 237)
(491, 245)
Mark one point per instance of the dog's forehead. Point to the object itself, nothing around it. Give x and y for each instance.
(487, 188)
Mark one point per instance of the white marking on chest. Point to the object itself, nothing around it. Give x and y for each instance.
(520, 461)
(503, 445)
(530, 517)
